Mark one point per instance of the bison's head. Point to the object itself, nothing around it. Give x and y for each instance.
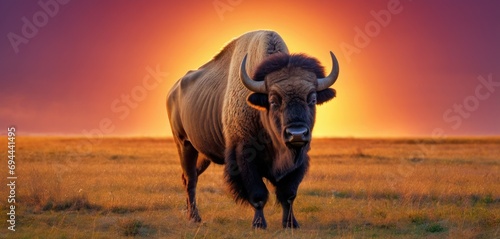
(288, 88)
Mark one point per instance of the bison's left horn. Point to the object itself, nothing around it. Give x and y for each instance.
(326, 82)
(255, 86)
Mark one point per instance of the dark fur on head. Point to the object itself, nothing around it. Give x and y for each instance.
(278, 61)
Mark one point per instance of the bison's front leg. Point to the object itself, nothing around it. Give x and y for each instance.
(288, 220)
(259, 221)
(286, 197)
(286, 191)
(246, 182)
(257, 196)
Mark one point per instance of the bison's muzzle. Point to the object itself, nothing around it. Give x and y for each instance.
(297, 136)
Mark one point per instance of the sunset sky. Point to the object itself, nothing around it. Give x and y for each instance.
(407, 68)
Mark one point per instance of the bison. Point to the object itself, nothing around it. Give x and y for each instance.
(251, 108)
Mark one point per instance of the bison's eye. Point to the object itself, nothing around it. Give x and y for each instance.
(312, 99)
(274, 101)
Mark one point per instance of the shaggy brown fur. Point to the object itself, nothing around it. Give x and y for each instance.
(212, 121)
(279, 61)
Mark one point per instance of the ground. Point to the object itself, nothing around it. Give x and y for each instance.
(355, 188)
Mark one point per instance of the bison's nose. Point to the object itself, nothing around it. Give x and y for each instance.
(297, 136)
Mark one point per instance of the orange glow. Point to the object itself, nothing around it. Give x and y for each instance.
(295, 28)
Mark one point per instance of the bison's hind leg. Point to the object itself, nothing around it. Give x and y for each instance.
(202, 165)
(189, 156)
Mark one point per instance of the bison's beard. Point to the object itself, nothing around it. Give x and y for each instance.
(287, 160)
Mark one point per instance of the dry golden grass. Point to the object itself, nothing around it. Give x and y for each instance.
(355, 188)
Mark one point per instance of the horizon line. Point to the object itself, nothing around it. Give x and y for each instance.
(37, 135)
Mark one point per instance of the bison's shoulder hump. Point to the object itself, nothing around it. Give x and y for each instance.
(190, 78)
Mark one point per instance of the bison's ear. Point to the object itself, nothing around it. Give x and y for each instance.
(258, 101)
(325, 95)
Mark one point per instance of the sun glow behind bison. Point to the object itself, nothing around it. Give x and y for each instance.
(300, 38)
(415, 64)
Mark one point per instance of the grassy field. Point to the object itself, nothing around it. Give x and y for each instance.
(355, 188)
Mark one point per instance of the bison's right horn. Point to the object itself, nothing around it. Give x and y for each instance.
(255, 86)
(326, 82)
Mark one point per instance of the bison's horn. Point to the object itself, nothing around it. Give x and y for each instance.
(326, 82)
(255, 86)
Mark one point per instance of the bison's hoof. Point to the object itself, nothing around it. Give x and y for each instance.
(194, 216)
(195, 219)
(259, 224)
(291, 224)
